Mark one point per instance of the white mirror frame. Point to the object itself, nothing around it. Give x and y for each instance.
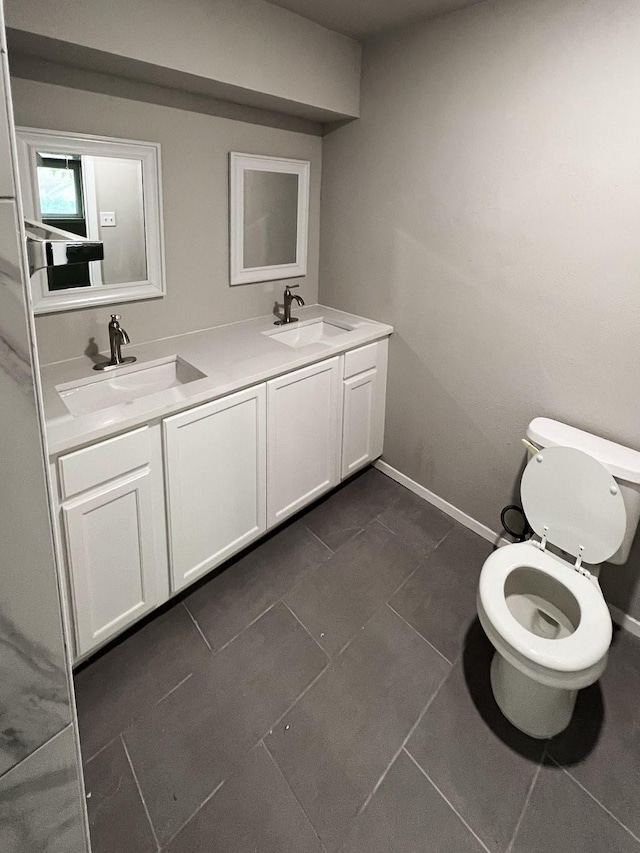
(32, 140)
(239, 164)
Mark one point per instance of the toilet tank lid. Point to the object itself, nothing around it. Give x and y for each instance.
(622, 462)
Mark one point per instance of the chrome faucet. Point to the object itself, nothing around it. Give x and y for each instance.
(117, 337)
(288, 299)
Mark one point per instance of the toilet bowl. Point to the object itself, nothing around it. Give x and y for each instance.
(551, 630)
(545, 615)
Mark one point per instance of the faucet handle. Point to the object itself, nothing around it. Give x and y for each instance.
(116, 317)
(289, 286)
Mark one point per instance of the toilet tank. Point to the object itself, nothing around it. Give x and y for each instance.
(622, 462)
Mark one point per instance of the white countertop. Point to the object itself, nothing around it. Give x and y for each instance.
(232, 357)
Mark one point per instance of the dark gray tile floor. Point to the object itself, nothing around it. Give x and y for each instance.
(328, 692)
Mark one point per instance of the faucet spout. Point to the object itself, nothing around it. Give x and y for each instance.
(117, 337)
(288, 299)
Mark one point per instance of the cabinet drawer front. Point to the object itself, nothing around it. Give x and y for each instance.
(84, 469)
(359, 360)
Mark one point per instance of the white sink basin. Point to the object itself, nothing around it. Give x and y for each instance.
(126, 384)
(309, 332)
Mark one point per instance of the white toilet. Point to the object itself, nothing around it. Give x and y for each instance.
(545, 615)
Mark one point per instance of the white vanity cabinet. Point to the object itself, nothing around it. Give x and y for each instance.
(147, 512)
(215, 457)
(364, 387)
(303, 437)
(112, 517)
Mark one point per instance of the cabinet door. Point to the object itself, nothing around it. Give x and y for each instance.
(216, 492)
(111, 549)
(358, 425)
(303, 437)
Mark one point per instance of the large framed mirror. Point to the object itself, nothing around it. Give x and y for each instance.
(269, 215)
(104, 189)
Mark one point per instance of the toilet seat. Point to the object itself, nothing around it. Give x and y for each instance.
(582, 649)
(572, 501)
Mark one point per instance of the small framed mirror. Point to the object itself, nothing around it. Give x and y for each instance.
(269, 215)
(104, 189)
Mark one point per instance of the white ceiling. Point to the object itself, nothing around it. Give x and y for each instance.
(363, 18)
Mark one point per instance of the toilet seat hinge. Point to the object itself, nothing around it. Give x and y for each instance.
(543, 542)
(579, 567)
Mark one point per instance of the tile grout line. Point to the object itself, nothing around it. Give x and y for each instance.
(242, 630)
(422, 558)
(415, 547)
(384, 604)
(305, 629)
(295, 702)
(448, 802)
(195, 812)
(359, 530)
(317, 568)
(380, 521)
(306, 574)
(277, 601)
(169, 692)
(251, 747)
(595, 799)
(526, 801)
(393, 610)
(315, 536)
(98, 752)
(293, 793)
(198, 628)
(402, 745)
(144, 804)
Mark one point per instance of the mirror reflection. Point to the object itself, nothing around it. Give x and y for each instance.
(270, 218)
(269, 214)
(107, 190)
(100, 198)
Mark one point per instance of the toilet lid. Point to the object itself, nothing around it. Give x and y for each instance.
(577, 500)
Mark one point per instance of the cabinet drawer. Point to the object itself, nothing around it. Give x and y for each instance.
(359, 360)
(84, 469)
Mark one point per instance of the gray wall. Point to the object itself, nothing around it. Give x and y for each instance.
(118, 187)
(487, 204)
(195, 149)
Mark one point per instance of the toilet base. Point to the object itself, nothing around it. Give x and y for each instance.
(534, 708)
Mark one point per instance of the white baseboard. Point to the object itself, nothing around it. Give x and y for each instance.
(441, 504)
(624, 620)
(618, 616)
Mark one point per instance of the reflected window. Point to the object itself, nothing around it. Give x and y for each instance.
(60, 186)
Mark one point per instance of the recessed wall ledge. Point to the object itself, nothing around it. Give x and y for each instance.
(246, 52)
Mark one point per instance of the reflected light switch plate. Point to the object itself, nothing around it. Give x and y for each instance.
(107, 219)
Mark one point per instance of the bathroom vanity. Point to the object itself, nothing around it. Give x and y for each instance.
(164, 469)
